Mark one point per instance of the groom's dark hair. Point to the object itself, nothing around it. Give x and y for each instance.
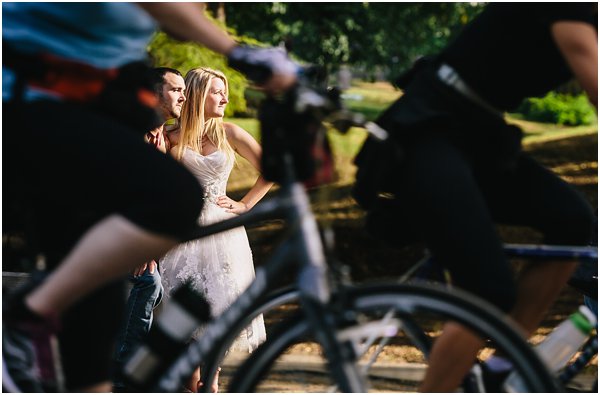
(158, 76)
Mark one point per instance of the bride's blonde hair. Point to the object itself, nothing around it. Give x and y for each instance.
(192, 123)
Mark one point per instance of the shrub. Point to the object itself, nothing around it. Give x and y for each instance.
(185, 56)
(254, 98)
(562, 109)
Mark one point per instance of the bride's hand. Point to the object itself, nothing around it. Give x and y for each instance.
(231, 205)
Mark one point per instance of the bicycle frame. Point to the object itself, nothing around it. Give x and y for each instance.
(550, 251)
(302, 245)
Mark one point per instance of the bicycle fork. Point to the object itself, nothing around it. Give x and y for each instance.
(315, 295)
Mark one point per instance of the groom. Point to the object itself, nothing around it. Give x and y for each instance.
(146, 292)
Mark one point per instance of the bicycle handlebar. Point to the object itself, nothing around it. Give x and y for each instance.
(294, 141)
(310, 95)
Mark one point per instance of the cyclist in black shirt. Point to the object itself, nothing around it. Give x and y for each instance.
(461, 167)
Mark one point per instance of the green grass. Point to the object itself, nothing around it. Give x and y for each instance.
(378, 92)
(538, 132)
(375, 98)
(370, 99)
(342, 144)
(250, 125)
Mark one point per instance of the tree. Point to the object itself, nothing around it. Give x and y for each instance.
(184, 56)
(367, 35)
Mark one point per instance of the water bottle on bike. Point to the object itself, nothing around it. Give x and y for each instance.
(560, 346)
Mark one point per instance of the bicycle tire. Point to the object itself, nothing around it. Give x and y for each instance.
(408, 301)
(272, 301)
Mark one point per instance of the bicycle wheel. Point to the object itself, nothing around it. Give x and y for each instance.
(394, 327)
(276, 306)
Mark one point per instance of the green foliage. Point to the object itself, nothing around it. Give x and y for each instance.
(364, 34)
(253, 99)
(562, 109)
(185, 56)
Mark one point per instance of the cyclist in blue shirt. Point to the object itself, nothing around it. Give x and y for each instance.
(77, 104)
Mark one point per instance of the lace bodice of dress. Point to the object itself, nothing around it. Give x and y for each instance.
(219, 266)
(212, 171)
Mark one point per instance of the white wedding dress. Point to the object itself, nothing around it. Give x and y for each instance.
(220, 266)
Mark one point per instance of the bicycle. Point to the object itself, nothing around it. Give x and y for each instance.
(290, 296)
(272, 355)
(338, 314)
(590, 348)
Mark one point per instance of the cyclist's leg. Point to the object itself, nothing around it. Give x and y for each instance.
(87, 331)
(95, 165)
(538, 287)
(529, 195)
(82, 168)
(446, 206)
(535, 197)
(448, 209)
(110, 249)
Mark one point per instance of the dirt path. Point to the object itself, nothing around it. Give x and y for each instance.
(384, 377)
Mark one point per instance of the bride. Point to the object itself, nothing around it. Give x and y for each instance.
(220, 266)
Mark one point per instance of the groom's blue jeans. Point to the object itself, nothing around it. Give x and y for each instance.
(146, 293)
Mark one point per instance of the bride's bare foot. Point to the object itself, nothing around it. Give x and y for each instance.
(193, 383)
(215, 386)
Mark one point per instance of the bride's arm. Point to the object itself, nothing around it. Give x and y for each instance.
(245, 145)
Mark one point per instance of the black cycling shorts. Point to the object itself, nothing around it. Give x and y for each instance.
(87, 334)
(461, 172)
(67, 167)
(73, 167)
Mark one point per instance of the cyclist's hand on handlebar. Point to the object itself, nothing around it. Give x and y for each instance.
(270, 68)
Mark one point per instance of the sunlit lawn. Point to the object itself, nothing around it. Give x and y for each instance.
(371, 99)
